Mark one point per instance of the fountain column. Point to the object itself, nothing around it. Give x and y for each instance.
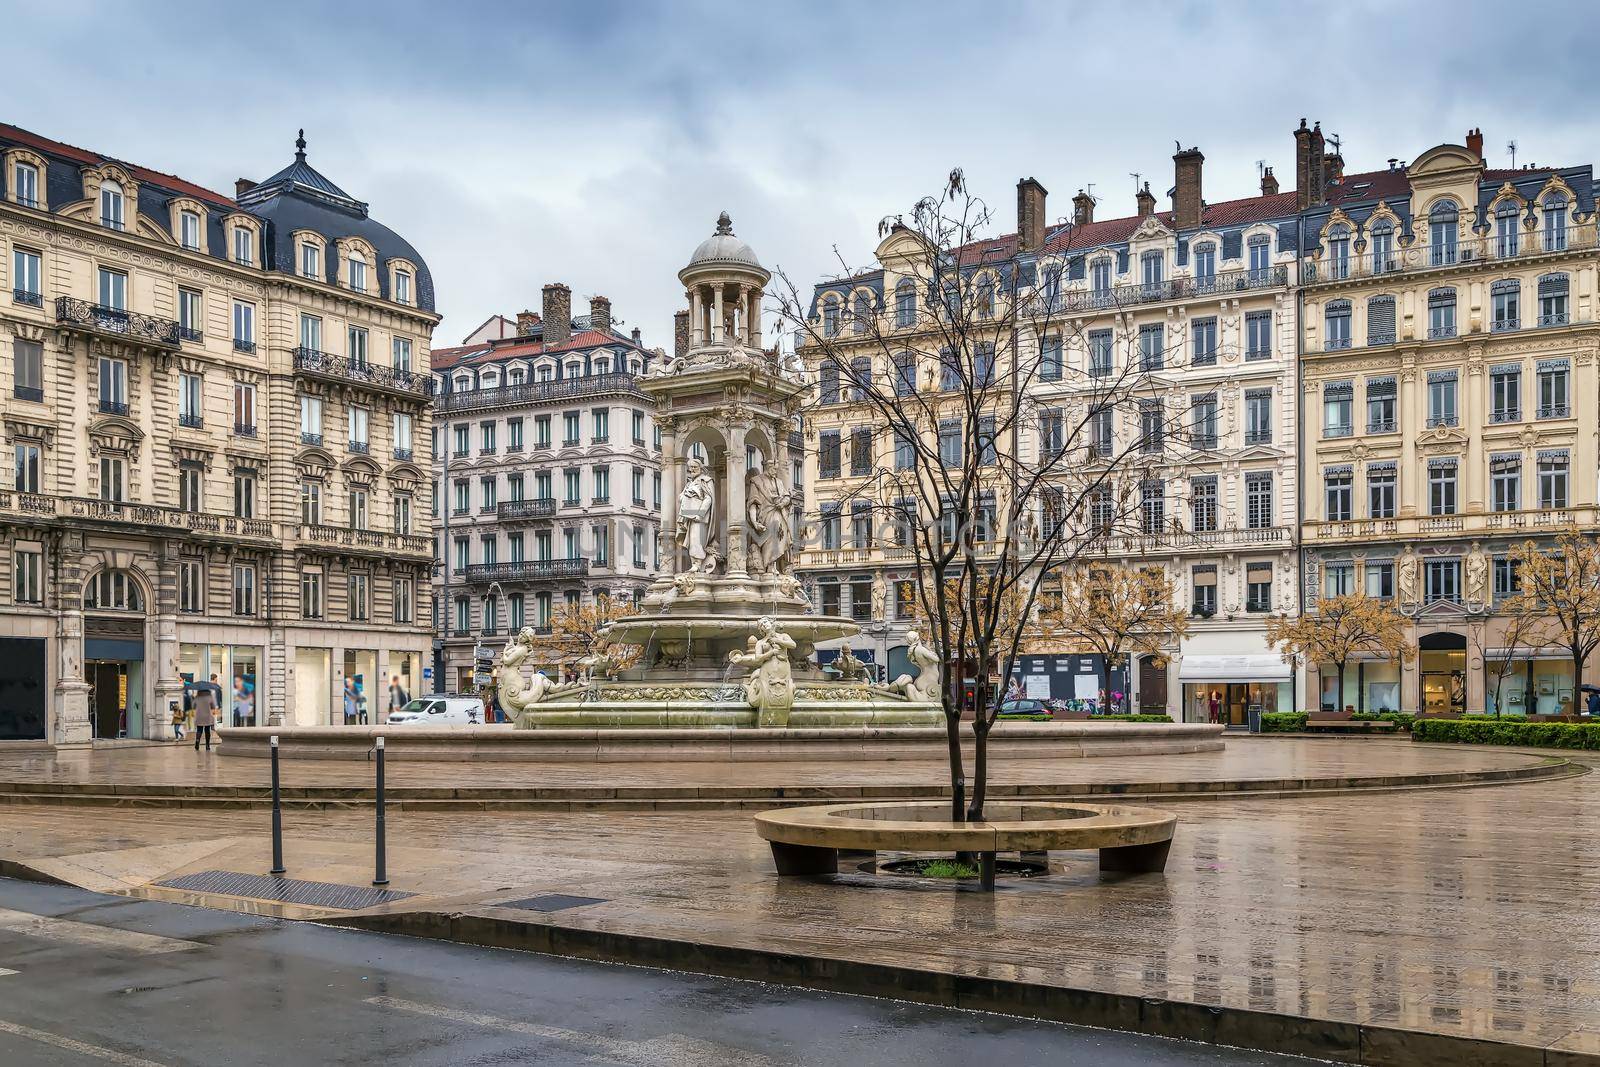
(697, 318)
(669, 495)
(716, 315)
(752, 318)
(734, 518)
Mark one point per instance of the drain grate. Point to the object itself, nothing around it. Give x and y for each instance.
(286, 890)
(550, 902)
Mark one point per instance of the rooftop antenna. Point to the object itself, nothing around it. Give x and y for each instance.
(1135, 175)
(1511, 146)
(1261, 168)
(1090, 189)
(1333, 139)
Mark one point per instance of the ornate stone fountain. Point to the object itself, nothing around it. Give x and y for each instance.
(727, 632)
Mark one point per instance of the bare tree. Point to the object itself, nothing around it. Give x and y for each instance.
(1559, 584)
(1117, 611)
(1013, 450)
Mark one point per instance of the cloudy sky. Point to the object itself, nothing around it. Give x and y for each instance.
(594, 142)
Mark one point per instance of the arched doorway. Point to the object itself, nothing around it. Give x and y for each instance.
(1443, 663)
(1152, 685)
(113, 653)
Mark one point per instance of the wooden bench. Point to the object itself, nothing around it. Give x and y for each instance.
(1381, 726)
(807, 841)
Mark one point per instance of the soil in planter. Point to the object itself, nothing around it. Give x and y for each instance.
(947, 868)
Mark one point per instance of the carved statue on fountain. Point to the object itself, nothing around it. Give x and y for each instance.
(770, 687)
(697, 508)
(516, 692)
(767, 503)
(925, 685)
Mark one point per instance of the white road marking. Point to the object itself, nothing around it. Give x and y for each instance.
(670, 1050)
(5, 971)
(44, 1037)
(80, 933)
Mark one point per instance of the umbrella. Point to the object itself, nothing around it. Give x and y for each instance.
(1586, 688)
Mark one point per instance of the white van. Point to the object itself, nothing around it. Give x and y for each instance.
(439, 711)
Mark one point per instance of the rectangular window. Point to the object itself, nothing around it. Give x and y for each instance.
(244, 589)
(244, 493)
(861, 450)
(1203, 503)
(1507, 582)
(1258, 587)
(569, 428)
(111, 487)
(1553, 300)
(1203, 580)
(189, 230)
(1152, 347)
(1152, 506)
(402, 286)
(113, 289)
(1152, 426)
(1338, 399)
(1505, 393)
(243, 245)
(487, 493)
(360, 604)
(1442, 410)
(1379, 579)
(1441, 581)
(1505, 306)
(1203, 336)
(27, 576)
(358, 509)
(861, 524)
(638, 427)
(360, 429)
(1380, 320)
(311, 332)
(311, 594)
(1258, 335)
(1258, 416)
(189, 488)
(1553, 382)
(1099, 353)
(600, 424)
(541, 431)
(829, 454)
(1505, 482)
(244, 326)
(1336, 325)
(571, 486)
(28, 360)
(25, 278)
(27, 468)
(1052, 430)
(1338, 579)
(404, 602)
(1102, 433)
(402, 435)
(1553, 467)
(1381, 490)
(310, 419)
(190, 314)
(1258, 500)
(1337, 493)
(951, 450)
(1050, 359)
(311, 503)
(27, 186)
(1203, 421)
(191, 399)
(988, 451)
(1381, 405)
(1441, 487)
(602, 485)
(486, 438)
(905, 451)
(1441, 313)
(191, 586)
(311, 261)
(356, 345)
(402, 513)
(831, 532)
(400, 353)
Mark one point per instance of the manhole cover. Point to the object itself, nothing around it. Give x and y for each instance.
(286, 890)
(549, 902)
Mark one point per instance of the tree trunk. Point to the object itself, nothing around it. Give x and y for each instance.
(1577, 680)
(1338, 696)
(958, 781)
(1105, 682)
(980, 767)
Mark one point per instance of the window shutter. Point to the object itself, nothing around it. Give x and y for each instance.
(1076, 269)
(1380, 319)
(1183, 251)
(1231, 244)
(1122, 261)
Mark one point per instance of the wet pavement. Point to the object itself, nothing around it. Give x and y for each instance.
(88, 979)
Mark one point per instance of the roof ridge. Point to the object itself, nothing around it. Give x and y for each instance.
(50, 144)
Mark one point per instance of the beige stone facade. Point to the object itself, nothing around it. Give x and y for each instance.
(211, 404)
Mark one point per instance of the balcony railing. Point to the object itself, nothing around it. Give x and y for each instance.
(192, 421)
(403, 455)
(539, 508)
(312, 439)
(242, 345)
(528, 570)
(342, 368)
(28, 296)
(189, 333)
(1116, 296)
(1422, 256)
(537, 392)
(27, 392)
(360, 447)
(113, 407)
(244, 429)
(90, 509)
(377, 541)
(109, 320)
(1554, 411)
(1137, 544)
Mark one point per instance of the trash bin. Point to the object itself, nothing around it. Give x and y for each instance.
(1252, 716)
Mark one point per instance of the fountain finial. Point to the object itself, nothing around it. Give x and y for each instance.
(300, 147)
(724, 225)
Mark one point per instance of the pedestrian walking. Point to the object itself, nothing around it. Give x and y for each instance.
(205, 715)
(398, 697)
(349, 702)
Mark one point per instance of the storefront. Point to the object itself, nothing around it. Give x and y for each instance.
(407, 667)
(360, 686)
(1540, 684)
(1227, 689)
(1442, 660)
(236, 670)
(1370, 685)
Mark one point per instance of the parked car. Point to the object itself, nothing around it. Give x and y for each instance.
(439, 711)
(1023, 706)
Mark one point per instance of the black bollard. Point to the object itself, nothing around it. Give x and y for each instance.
(382, 874)
(277, 815)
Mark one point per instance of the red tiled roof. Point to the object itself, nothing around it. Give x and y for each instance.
(143, 174)
(1380, 184)
(446, 358)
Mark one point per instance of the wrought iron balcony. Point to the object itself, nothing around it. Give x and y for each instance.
(26, 296)
(27, 392)
(244, 429)
(360, 447)
(1554, 411)
(528, 570)
(241, 345)
(1236, 281)
(113, 407)
(116, 321)
(538, 392)
(343, 369)
(312, 439)
(403, 455)
(192, 421)
(1331, 268)
(539, 508)
(189, 333)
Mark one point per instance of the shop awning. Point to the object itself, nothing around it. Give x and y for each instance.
(1234, 669)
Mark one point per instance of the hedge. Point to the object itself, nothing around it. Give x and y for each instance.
(1283, 722)
(1130, 718)
(1479, 731)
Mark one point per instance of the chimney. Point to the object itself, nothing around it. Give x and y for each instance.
(1333, 167)
(244, 185)
(1269, 183)
(600, 314)
(1319, 168)
(557, 313)
(680, 334)
(1186, 200)
(1302, 166)
(636, 335)
(1082, 209)
(1475, 141)
(527, 322)
(1030, 215)
(1146, 201)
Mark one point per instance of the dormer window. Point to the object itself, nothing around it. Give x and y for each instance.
(111, 201)
(243, 245)
(189, 230)
(402, 286)
(357, 266)
(27, 185)
(310, 261)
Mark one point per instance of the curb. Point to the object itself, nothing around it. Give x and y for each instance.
(1340, 1042)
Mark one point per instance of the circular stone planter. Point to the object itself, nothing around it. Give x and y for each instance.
(806, 841)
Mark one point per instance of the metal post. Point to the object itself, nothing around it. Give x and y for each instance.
(382, 877)
(277, 815)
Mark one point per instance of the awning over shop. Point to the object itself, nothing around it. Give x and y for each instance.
(1234, 669)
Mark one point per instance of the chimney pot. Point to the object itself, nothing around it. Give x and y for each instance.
(600, 314)
(1030, 215)
(527, 322)
(1082, 209)
(1146, 201)
(557, 313)
(680, 334)
(242, 186)
(1475, 141)
(636, 335)
(1269, 183)
(1187, 200)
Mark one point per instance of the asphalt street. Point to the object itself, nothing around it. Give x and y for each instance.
(93, 979)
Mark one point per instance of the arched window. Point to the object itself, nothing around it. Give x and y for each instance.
(1506, 229)
(986, 297)
(1553, 300)
(1380, 241)
(1338, 251)
(490, 379)
(357, 264)
(545, 372)
(574, 369)
(111, 205)
(861, 318)
(1555, 223)
(516, 376)
(112, 591)
(1336, 325)
(830, 317)
(602, 365)
(905, 303)
(1442, 233)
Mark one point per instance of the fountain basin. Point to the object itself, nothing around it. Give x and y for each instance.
(689, 703)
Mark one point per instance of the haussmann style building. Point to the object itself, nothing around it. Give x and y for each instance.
(211, 404)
